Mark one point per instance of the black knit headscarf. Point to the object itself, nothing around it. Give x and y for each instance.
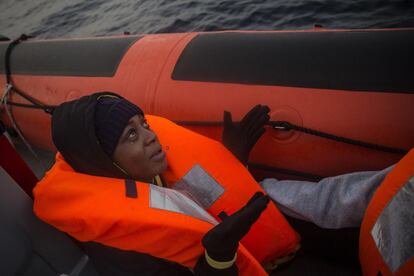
(85, 131)
(111, 117)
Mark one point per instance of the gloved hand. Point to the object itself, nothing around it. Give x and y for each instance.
(222, 241)
(240, 138)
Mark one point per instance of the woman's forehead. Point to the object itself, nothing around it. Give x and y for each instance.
(136, 118)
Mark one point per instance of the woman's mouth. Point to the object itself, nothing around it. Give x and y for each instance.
(158, 156)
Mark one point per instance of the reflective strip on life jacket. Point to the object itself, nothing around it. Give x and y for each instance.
(174, 201)
(200, 186)
(393, 232)
(387, 231)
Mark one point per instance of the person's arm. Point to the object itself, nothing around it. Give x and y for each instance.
(334, 202)
(222, 241)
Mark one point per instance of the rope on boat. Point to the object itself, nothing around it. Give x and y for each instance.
(283, 125)
(9, 84)
(286, 126)
(6, 103)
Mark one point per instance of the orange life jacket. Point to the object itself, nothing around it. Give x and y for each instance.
(165, 222)
(387, 230)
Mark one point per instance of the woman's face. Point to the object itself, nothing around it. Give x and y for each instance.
(139, 152)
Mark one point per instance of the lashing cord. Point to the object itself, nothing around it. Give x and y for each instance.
(278, 125)
(283, 125)
(9, 84)
(7, 103)
(286, 126)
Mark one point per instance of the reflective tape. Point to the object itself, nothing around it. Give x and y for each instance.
(393, 232)
(200, 187)
(174, 201)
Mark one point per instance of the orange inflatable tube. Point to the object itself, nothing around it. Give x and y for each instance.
(356, 84)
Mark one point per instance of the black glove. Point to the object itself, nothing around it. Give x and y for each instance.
(240, 138)
(222, 241)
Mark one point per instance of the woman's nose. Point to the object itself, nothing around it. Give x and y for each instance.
(150, 137)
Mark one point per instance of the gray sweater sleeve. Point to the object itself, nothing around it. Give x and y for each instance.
(334, 202)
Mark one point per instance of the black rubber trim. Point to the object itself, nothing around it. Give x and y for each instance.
(270, 169)
(4, 38)
(2, 128)
(130, 188)
(380, 61)
(95, 57)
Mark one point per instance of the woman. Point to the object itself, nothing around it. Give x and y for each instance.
(114, 140)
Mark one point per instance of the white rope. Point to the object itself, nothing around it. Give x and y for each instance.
(4, 101)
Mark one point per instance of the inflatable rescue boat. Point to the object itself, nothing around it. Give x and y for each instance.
(341, 100)
(353, 84)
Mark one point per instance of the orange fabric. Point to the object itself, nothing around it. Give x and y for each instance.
(271, 236)
(371, 259)
(91, 208)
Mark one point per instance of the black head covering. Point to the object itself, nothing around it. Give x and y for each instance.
(73, 133)
(111, 117)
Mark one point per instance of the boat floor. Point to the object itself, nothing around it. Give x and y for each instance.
(323, 251)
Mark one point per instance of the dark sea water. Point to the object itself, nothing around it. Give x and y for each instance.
(70, 18)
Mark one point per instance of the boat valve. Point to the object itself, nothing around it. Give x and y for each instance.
(281, 125)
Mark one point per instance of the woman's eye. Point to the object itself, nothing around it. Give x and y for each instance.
(132, 133)
(145, 125)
